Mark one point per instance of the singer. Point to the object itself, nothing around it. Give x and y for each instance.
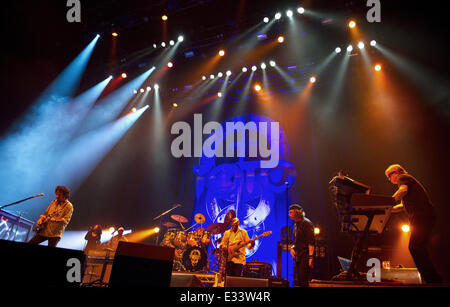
(52, 223)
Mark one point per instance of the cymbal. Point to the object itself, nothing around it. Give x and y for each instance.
(179, 218)
(216, 228)
(169, 224)
(229, 217)
(199, 218)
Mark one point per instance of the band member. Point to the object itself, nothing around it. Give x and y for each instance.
(303, 249)
(114, 241)
(54, 220)
(232, 238)
(417, 204)
(93, 238)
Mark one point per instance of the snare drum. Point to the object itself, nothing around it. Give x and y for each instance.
(168, 239)
(180, 239)
(192, 238)
(206, 238)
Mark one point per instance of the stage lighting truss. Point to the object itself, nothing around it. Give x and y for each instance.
(349, 48)
(244, 69)
(180, 39)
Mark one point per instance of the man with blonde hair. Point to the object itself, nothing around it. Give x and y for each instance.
(417, 204)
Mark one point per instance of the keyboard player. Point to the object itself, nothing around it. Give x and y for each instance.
(417, 204)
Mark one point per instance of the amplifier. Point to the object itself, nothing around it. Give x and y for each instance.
(255, 269)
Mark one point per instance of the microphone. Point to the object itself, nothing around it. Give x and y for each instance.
(42, 194)
(177, 205)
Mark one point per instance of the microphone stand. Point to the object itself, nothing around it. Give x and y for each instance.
(160, 220)
(17, 202)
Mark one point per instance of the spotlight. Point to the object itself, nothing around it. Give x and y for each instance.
(219, 94)
(228, 73)
(312, 79)
(244, 69)
(316, 230)
(377, 67)
(263, 66)
(156, 229)
(135, 92)
(156, 86)
(204, 78)
(171, 43)
(149, 88)
(180, 38)
(254, 68)
(133, 109)
(352, 24)
(289, 13)
(163, 44)
(406, 228)
(170, 64)
(220, 75)
(164, 17)
(277, 16)
(154, 46)
(211, 76)
(257, 87)
(373, 43)
(272, 63)
(361, 45)
(280, 39)
(266, 19)
(175, 104)
(124, 75)
(114, 34)
(141, 90)
(349, 48)
(111, 229)
(222, 52)
(337, 50)
(300, 10)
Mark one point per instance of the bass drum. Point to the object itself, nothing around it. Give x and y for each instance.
(194, 259)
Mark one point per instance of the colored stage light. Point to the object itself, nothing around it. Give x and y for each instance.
(352, 24)
(280, 39)
(405, 228)
(316, 230)
(300, 10)
(361, 45)
(156, 229)
(211, 76)
(337, 50)
(111, 229)
(170, 64)
(133, 109)
(222, 52)
(272, 63)
(164, 17)
(266, 19)
(263, 65)
(180, 38)
(257, 87)
(373, 43)
(115, 34)
(244, 69)
(124, 75)
(175, 104)
(220, 75)
(312, 79)
(254, 68)
(228, 73)
(350, 48)
(289, 13)
(219, 94)
(204, 78)
(277, 15)
(377, 67)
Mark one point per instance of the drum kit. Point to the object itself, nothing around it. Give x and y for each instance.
(191, 246)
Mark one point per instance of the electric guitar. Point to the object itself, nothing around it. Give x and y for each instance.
(229, 254)
(42, 223)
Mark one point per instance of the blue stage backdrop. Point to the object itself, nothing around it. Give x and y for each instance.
(256, 194)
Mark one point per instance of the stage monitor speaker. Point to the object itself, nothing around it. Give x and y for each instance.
(27, 265)
(233, 281)
(185, 280)
(141, 265)
(405, 275)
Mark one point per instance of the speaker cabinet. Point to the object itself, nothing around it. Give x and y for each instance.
(141, 265)
(233, 281)
(27, 265)
(185, 280)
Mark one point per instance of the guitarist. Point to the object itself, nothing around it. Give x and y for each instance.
(303, 249)
(233, 237)
(54, 220)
